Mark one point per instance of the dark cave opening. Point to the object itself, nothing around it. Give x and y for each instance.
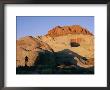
(74, 44)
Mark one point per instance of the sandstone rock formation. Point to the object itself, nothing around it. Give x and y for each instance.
(30, 47)
(74, 38)
(60, 31)
(85, 48)
(67, 46)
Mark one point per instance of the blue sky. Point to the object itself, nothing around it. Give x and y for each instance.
(39, 25)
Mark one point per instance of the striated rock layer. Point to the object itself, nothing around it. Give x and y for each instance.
(60, 31)
(30, 47)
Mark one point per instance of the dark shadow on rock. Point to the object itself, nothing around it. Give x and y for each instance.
(66, 58)
(74, 44)
(67, 55)
(48, 64)
(44, 65)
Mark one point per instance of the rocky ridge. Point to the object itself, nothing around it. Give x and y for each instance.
(61, 31)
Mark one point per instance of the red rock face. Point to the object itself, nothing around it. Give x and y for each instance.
(60, 31)
(77, 40)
